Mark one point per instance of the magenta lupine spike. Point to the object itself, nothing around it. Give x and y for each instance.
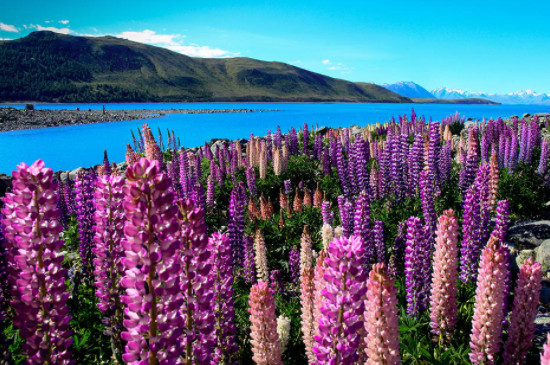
(544, 154)
(379, 243)
(545, 355)
(196, 284)
(152, 298)
(522, 323)
(224, 311)
(433, 152)
(417, 267)
(502, 220)
(108, 233)
(41, 313)
(381, 318)
(106, 164)
(342, 309)
(415, 163)
(471, 245)
(5, 354)
(488, 309)
(305, 149)
(443, 298)
(84, 208)
(346, 215)
(263, 325)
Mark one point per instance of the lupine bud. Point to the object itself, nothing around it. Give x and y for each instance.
(522, 323)
(327, 234)
(381, 317)
(263, 326)
(84, 207)
(488, 308)
(443, 302)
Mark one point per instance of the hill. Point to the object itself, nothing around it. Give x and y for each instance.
(51, 67)
(409, 89)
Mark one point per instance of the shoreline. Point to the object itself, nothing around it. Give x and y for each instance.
(13, 119)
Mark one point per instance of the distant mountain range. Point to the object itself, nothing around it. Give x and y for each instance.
(413, 90)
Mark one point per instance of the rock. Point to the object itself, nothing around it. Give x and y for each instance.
(75, 172)
(542, 115)
(529, 234)
(5, 184)
(543, 255)
(526, 115)
(523, 255)
(323, 130)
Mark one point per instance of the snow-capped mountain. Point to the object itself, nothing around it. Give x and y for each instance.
(409, 89)
(517, 97)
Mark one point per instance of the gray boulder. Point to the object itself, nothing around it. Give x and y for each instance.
(523, 255)
(529, 234)
(543, 255)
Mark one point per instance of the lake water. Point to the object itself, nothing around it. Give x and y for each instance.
(65, 148)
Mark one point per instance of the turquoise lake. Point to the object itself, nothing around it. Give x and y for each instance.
(64, 148)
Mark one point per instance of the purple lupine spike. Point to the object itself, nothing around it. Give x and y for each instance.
(326, 213)
(417, 267)
(61, 202)
(482, 185)
(502, 220)
(433, 152)
(293, 139)
(108, 233)
(84, 208)
(428, 208)
(341, 314)
(384, 171)
(68, 196)
(210, 193)
(326, 162)
(544, 154)
(305, 149)
(288, 186)
(106, 164)
(415, 163)
(352, 177)
(41, 311)
(445, 162)
(5, 354)
(275, 281)
(251, 182)
(249, 266)
(184, 173)
(278, 140)
(294, 265)
(484, 148)
(152, 267)
(224, 310)
(342, 170)
(235, 225)
(361, 227)
(269, 145)
(379, 244)
(346, 215)
(398, 252)
(361, 159)
(471, 246)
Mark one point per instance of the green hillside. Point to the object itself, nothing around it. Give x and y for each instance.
(46, 66)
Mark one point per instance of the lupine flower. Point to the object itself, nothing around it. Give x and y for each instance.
(317, 197)
(488, 308)
(428, 209)
(263, 325)
(398, 253)
(235, 224)
(381, 327)
(288, 186)
(283, 202)
(326, 213)
(210, 192)
(307, 296)
(40, 309)
(260, 256)
(224, 310)
(283, 331)
(493, 181)
(275, 281)
(151, 279)
(249, 273)
(522, 324)
(379, 244)
(251, 182)
(443, 302)
(327, 234)
(342, 309)
(361, 226)
(417, 267)
(294, 265)
(471, 243)
(545, 355)
(84, 208)
(109, 231)
(298, 203)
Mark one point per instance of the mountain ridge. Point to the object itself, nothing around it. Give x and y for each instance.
(51, 67)
(515, 97)
(409, 89)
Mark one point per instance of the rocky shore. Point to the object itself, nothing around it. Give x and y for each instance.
(16, 119)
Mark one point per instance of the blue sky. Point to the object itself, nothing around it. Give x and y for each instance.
(483, 45)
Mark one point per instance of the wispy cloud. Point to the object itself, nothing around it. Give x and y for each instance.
(8, 28)
(175, 43)
(52, 29)
(337, 66)
(5, 39)
(64, 22)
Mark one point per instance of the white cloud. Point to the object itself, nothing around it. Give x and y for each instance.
(325, 62)
(64, 22)
(52, 29)
(5, 39)
(338, 66)
(174, 43)
(8, 28)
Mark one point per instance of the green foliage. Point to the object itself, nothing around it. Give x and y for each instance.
(525, 190)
